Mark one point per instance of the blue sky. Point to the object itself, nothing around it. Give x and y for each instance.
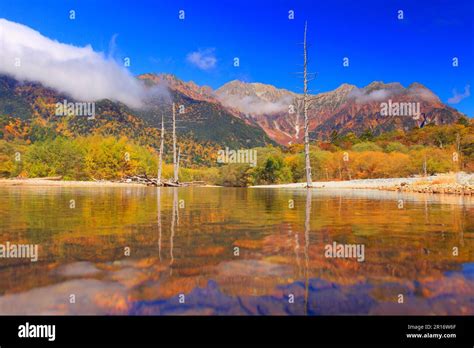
(418, 48)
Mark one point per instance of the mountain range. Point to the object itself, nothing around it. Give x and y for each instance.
(238, 114)
(345, 109)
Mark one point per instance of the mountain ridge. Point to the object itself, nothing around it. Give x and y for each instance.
(242, 114)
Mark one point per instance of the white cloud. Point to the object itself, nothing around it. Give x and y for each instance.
(79, 72)
(457, 97)
(361, 96)
(113, 46)
(203, 59)
(424, 94)
(253, 105)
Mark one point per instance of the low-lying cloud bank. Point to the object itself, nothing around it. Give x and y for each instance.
(363, 95)
(79, 72)
(255, 106)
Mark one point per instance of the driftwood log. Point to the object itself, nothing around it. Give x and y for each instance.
(145, 180)
(55, 178)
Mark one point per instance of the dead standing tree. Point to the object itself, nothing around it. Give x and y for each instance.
(309, 181)
(177, 163)
(162, 144)
(175, 159)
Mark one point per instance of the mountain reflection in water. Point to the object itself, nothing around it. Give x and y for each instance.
(182, 242)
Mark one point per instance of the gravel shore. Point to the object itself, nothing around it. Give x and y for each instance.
(459, 183)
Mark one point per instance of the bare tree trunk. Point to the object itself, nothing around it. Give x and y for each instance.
(175, 166)
(458, 151)
(309, 181)
(160, 160)
(424, 166)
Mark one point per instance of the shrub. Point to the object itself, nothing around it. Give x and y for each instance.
(366, 146)
(396, 147)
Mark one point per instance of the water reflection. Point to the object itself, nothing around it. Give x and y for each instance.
(307, 227)
(188, 248)
(158, 208)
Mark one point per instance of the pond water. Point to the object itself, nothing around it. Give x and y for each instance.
(235, 251)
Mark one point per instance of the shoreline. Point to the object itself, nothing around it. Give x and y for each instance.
(452, 183)
(40, 182)
(63, 183)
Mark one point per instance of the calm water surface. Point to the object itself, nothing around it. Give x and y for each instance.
(183, 242)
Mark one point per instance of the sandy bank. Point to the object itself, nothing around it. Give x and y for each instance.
(61, 183)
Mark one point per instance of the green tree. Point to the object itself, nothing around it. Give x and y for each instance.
(57, 157)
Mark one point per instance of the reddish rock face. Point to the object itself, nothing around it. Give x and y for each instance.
(189, 89)
(345, 109)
